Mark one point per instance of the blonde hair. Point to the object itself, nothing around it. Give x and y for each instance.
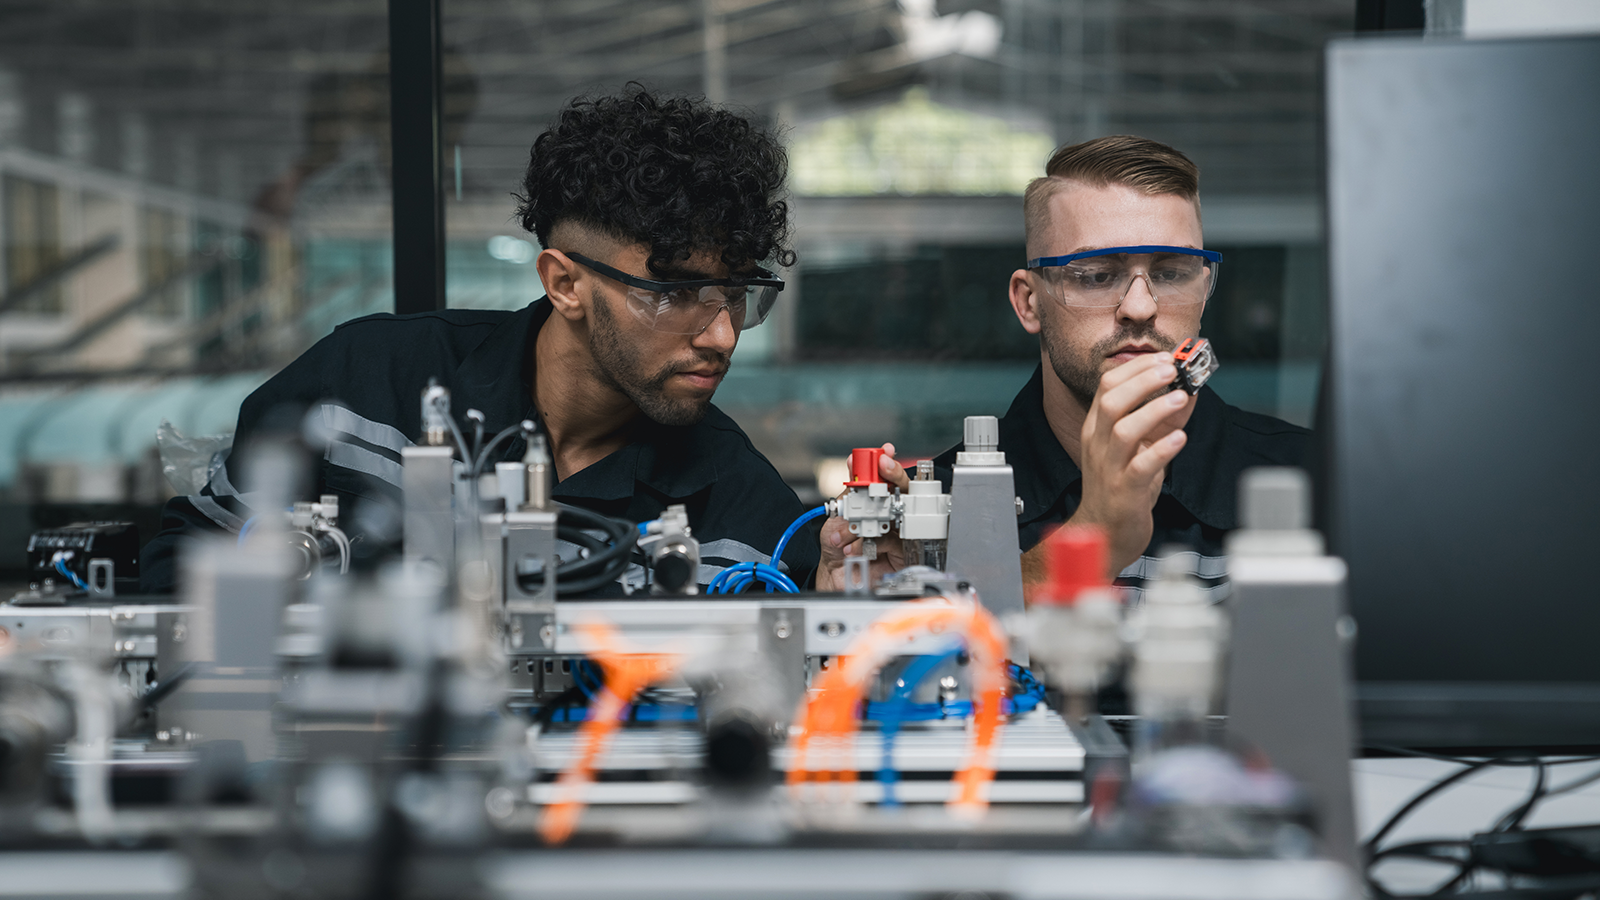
(1125, 159)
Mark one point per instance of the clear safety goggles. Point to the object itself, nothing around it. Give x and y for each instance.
(689, 307)
(1176, 276)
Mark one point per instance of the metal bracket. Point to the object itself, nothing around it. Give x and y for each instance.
(102, 578)
(530, 547)
(781, 636)
(857, 575)
(530, 632)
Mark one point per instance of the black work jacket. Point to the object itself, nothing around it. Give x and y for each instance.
(363, 385)
(1199, 499)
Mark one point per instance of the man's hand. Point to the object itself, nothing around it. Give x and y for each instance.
(838, 542)
(1128, 440)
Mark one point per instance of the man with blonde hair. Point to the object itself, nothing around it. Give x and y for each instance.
(1116, 279)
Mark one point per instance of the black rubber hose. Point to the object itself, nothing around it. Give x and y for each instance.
(606, 562)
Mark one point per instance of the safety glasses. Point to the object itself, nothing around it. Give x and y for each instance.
(1176, 276)
(689, 307)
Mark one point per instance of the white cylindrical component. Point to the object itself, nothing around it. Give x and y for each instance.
(981, 434)
(1178, 660)
(1275, 498)
(980, 442)
(926, 513)
(512, 478)
(1076, 643)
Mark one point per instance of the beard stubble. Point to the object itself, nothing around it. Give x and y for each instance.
(617, 364)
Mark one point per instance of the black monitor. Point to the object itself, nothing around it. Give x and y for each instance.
(1461, 406)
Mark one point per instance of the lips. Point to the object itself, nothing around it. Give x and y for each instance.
(1129, 351)
(705, 378)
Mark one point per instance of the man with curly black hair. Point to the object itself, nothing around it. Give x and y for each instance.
(656, 216)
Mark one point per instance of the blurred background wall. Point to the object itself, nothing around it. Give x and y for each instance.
(194, 191)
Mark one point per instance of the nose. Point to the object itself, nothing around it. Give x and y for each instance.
(720, 335)
(1139, 302)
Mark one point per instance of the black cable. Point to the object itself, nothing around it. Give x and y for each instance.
(563, 700)
(455, 432)
(165, 687)
(1541, 792)
(1371, 846)
(1514, 818)
(572, 534)
(1570, 786)
(526, 426)
(605, 564)
(1430, 852)
(589, 559)
(475, 416)
(1426, 850)
(1509, 761)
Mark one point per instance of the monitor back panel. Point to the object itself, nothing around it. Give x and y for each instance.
(1462, 412)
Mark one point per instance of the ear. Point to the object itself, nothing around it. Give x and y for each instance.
(563, 280)
(1024, 302)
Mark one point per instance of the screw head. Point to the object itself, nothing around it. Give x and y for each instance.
(500, 803)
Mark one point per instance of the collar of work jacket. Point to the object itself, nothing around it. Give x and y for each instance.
(496, 376)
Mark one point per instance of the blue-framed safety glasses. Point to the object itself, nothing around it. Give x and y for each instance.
(689, 307)
(1176, 276)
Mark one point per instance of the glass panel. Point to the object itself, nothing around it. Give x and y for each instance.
(913, 129)
(192, 195)
(33, 245)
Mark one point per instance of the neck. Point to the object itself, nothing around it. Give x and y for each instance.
(585, 418)
(1064, 413)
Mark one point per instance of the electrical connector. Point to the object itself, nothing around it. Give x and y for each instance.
(1196, 363)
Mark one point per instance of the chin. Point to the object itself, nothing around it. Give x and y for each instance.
(663, 411)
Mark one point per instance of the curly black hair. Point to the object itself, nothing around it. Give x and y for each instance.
(675, 173)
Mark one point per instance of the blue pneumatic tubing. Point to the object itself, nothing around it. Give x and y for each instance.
(736, 578)
(789, 533)
(899, 708)
(894, 711)
(61, 566)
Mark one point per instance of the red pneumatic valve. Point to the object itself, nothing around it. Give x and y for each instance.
(864, 467)
(1073, 625)
(1075, 561)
